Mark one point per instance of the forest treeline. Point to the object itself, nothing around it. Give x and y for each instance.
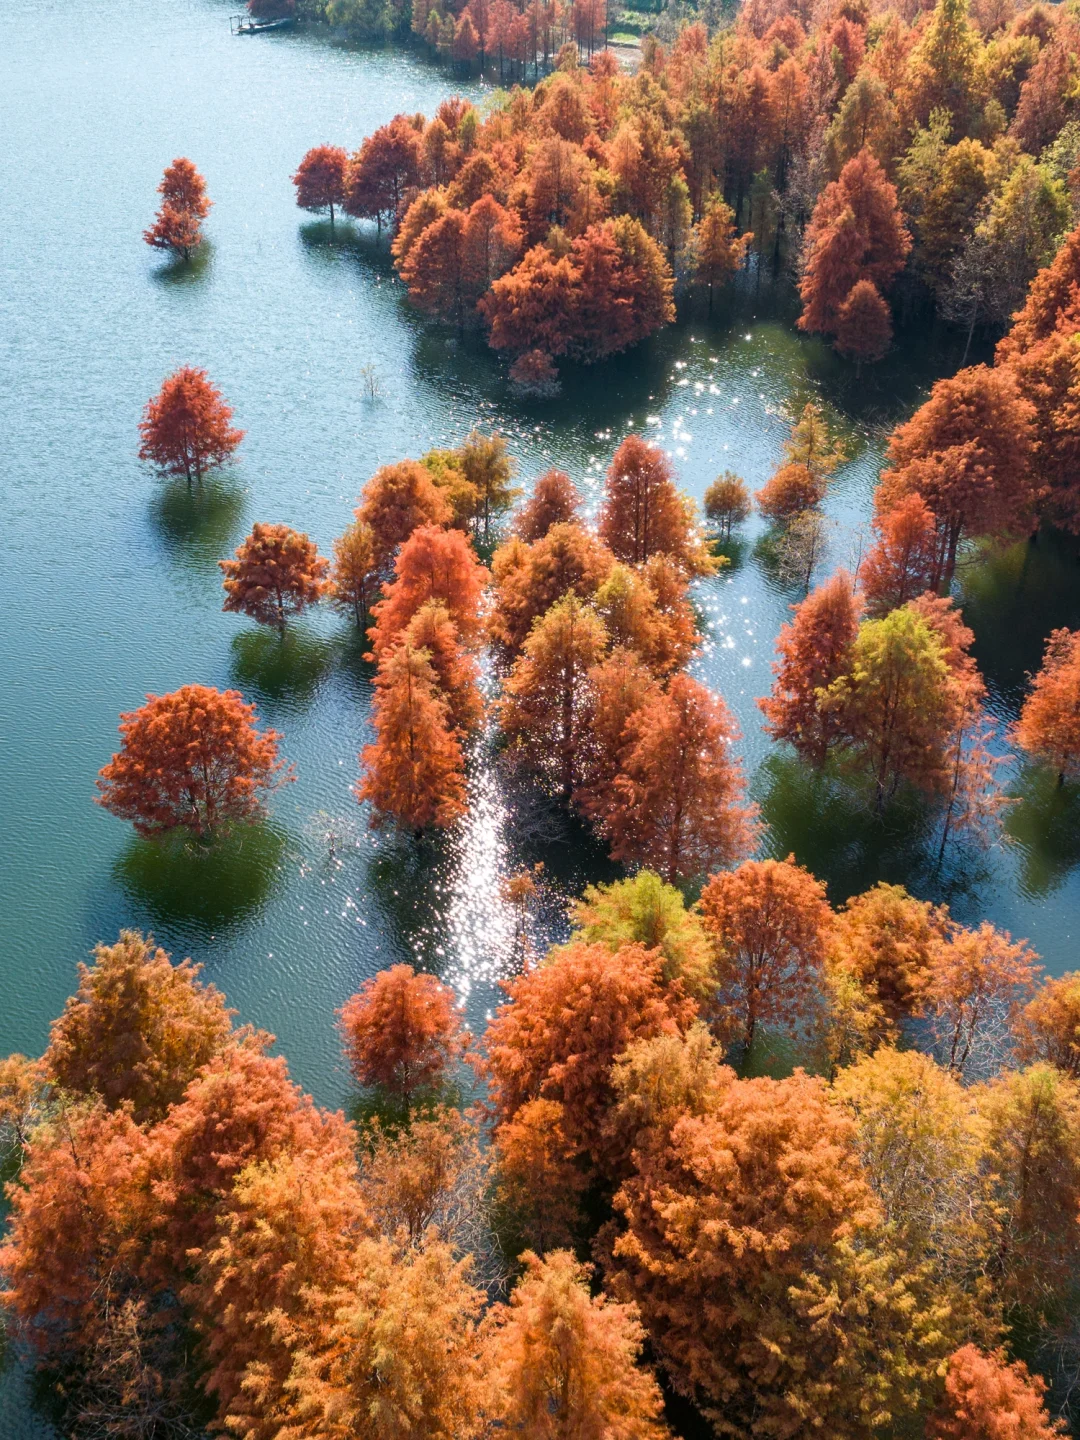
(920, 159)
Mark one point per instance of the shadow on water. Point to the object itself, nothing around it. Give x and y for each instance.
(198, 523)
(283, 671)
(1044, 824)
(318, 236)
(408, 878)
(203, 888)
(176, 272)
(1012, 599)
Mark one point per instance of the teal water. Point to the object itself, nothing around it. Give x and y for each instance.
(108, 581)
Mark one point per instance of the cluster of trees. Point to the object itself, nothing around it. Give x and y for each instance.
(184, 206)
(193, 1243)
(931, 149)
(594, 630)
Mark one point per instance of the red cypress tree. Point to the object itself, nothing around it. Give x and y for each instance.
(554, 501)
(277, 572)
(1049, 724)
(643, 513)
(679, 804)
(906, 558)
(857, 233)
(395, 501)
(321, 178)
(401, 1031)
(184, 206)
(186, 429)
(813, 650)
(864, 323)
(986, 1398)
(432, 565)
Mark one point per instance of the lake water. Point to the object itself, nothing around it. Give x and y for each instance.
(108, 582)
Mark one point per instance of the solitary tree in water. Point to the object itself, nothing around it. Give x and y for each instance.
(184, 206)
(320, 179)
(186, 429)
(277, 572)
(194, 758)
(401, 1031)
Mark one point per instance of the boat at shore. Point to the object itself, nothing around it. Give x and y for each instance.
(245, 25)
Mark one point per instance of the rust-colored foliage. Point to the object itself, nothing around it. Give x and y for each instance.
(186, 428)
(138, 1029)
(1051, 300)
(401, 1031)
(770, 925)
(986, 1398)
(529, 579)
(433, 565)
(184, 206)
(1048, 376)
(618, 687)
(727, 503)
(813, 650)
(277, 572)
(967, 452)
(426, 1178)
(978, 980)
(384, 170)
(631, 611)
(886, 938)
(545, 698)
(456, 670)
(321, 178)
(398, 1357)
(789, 492)
(538, 1186)
(856, 234)
(354, 571)
(905, 560)
(679, 803)
(563, 1025)
(864, 323)
(414, 772)
(192, 758)
(554, 501)
(560, 1362)
(240, 1110)
(76, 1237)
(395, 502)
(643, 513)
(726, 1222)
(1049, 724)
(719, 249)
(270, 1279)
(1049, 1026)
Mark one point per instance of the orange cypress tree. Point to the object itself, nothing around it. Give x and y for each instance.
(718, 250)
(1049, 1027)
(529, 579)
(743, 1229)
(770, 925)
(138, 1029)
(986, 1398)
(906, 558)
(321, 179)
(976, 977)
(561, 1362)
(1048, 376)
(433, 565)
(269, 1280)
(184, 206)
(643, 512)
(1049, 724)
(856, 234)
(456, 671)
(863, 323)
(545, 697)
(967, 452)
(401, 1031)
(186, 429)
(384, 170)
(414, 772)
(618, 687)
(354, 574)
(678, 805)
(192, 758)
(885, 938)
(554, 501)
(538, 1186)
(395, 502)
(564, 1024)
(813, 651)
(1051, 300)
(793, 489)
(277, 572)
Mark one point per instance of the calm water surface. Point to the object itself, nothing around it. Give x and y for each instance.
(108, 582)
